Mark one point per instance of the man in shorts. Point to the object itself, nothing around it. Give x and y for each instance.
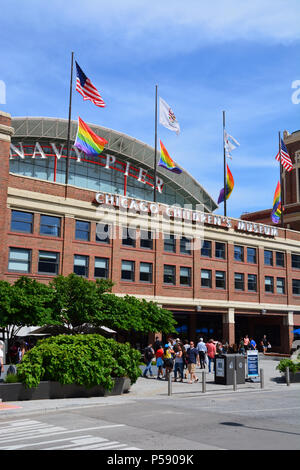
(193, 359)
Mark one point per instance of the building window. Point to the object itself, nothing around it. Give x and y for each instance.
(50, 226)
(280, 285)
(252, 282)
(238, 253)
(48, 262)
(103, 233)
(206, 278)
(269, 284)
(185, 246)
(295, 261)
(251, 255)
(81, 265)
(206, 248)
(268, 257)
(146, 240)
(128, 271)
(21, 222)
(129, 237)
(169, 243)
(185, 276)
(146, 272)
(101, 268)
(279, 259)
(220, 280)
(296, 286)
(239, 281)
(82, 230)
(220, 250)
(19, 260)
(169, 274)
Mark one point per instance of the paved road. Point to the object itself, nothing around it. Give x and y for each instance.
(147, 418)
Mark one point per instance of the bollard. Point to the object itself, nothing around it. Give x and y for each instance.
(203, 382)
(262, 379)
(169, 384)
(234, 380)
(287, 376)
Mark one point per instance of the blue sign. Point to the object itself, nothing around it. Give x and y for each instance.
(252, 363)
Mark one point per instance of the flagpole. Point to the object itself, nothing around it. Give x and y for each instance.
(155, 146)
(154, 197)
(224, 152)
(69, 125)
(281, 181)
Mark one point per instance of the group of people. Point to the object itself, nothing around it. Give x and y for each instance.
(182, 357)
(247, 344)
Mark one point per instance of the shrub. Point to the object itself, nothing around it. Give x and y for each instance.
(87, 360)
(294, 366)
(11, 379)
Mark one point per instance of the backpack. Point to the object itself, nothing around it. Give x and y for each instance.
(148, 353)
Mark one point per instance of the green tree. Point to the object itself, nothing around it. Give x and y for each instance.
(24, 303)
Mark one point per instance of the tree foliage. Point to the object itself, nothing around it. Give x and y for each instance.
(74, 302)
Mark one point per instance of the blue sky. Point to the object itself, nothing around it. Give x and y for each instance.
(205, 57)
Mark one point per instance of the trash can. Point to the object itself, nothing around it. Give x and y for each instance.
(225, 366)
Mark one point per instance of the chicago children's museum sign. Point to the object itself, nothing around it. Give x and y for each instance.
(184, 214)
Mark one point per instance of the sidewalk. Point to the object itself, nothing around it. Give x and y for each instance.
(151, 388)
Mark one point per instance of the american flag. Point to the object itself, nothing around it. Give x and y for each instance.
(285, 158)
(85, 87)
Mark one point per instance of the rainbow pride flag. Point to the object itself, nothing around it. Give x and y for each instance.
(229, 186)
(166, 161)
(276, 212)
(87, 141)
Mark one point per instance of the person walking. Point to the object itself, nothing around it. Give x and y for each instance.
(202, 349)
(178, 363)
(168, 361)
(246, 342)
(252, 344)
(148, 356)
(264, 344)
(211, 352)
(157, 344)
(159, 363)
(193, 359)
(241, 349)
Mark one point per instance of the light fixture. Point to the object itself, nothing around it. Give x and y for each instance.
(198, 308)
(264, 311)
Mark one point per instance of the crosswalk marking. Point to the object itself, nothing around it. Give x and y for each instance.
(26, 429)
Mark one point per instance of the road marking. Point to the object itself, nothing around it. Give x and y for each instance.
(22, 430)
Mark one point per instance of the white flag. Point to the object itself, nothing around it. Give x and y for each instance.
(230, 144)
(167, 118)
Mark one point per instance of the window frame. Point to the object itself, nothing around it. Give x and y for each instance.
(132, 279)
(150, 280)
(241, 281)
(15, 211)
(86, 267)
(29, 262)
(209, 279)
(173, 267)
(239, 257)
(82, 230)
(56, 264)
(106, 267)
(47, 225)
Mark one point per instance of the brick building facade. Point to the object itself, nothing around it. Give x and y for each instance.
(240, 279)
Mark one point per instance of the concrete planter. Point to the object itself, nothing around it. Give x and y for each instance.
(294, 377)
(48, 390)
